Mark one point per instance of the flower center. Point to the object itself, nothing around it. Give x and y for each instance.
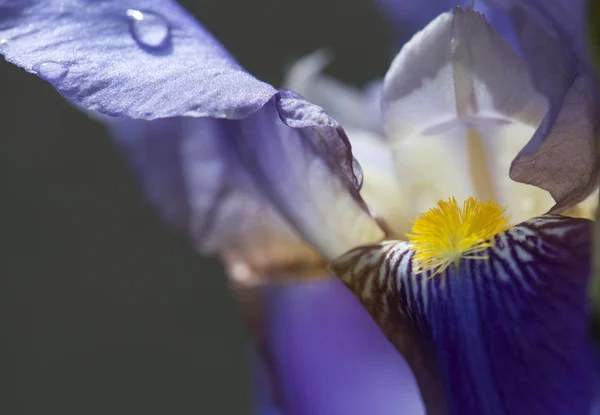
(448, 233)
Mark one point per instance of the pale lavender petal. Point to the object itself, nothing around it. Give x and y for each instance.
(330, 356)
(206, 180)
(190, 173)
(501, 21)
(305, 175)
(360, 111)
(560, 157)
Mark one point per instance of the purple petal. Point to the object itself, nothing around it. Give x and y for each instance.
(206, 180)
(263, 404)
(217, 179)
(509, 334)
(304, 174)
(330, 356)
(561, 156)
(126, 58)
(189, 171)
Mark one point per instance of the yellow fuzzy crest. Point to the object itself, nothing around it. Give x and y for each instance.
(447, 233)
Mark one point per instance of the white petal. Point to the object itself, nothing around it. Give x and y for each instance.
(458, 106)
(522, 200)
(381, 189)
(432, 168)
(457, 70)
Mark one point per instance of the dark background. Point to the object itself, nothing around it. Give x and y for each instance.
(105, 310)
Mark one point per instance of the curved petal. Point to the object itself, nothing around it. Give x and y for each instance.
(300, 170)
(457, 101)
(382, 190)
(458, 108)
(330, 356)
(150, 59)
(507, 335)
(191, 174)
(128, 58)
(360, 112)
(560, 157)
(263, 404)
(457, 72)
(353, 108)
(208, 181)
(409, 16)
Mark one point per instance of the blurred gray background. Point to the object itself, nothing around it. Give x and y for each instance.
(104, 309)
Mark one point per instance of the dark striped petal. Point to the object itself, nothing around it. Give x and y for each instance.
(507, 335)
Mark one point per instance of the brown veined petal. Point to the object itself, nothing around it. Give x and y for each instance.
(506, 335)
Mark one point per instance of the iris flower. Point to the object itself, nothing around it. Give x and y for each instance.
(490, 317)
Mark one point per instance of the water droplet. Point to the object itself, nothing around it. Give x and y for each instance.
(3, 44)
(149, 29)
(358, 174)
(51, 71)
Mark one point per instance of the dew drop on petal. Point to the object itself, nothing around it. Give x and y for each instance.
(358, 174)
(150, 30)
(51, 71)
(3, 44)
